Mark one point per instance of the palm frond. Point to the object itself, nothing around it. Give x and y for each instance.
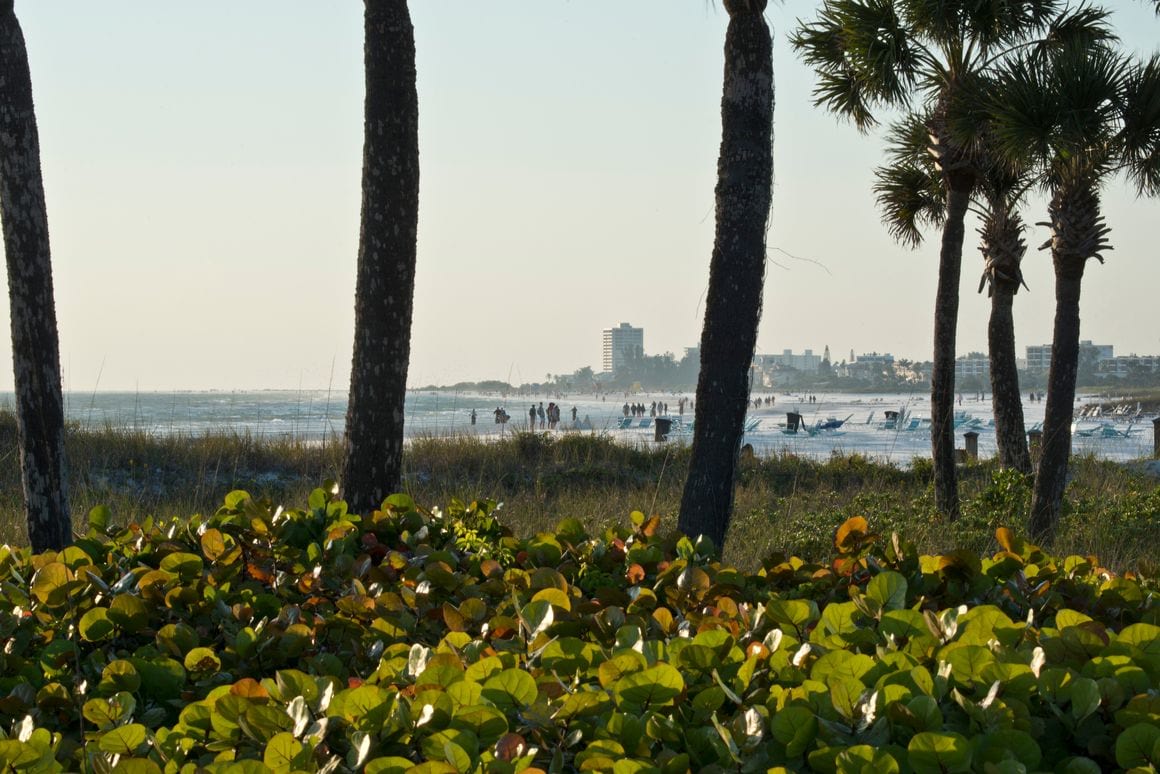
(1023, 114)
(1140, 132)
(1083, 27)
(862, 56)
(910, 199)
(907, 141)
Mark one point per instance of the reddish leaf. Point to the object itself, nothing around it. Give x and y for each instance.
(510, 746)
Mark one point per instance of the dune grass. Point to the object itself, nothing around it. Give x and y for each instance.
(783, 503)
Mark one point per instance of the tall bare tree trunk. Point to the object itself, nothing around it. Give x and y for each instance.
(1010, 432)
(736, 272)
(35, 348)
(1051, 475)
(946, 314)
(386, 259)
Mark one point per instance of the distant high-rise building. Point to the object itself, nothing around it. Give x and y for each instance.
(620, 344)
(1039, 356)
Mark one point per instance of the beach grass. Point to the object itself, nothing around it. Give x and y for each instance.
(783, 503)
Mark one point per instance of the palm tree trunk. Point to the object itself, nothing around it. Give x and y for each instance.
(1010, 434)
(736, 273)
(1051, 476)
(946, 313)
(386, 259)
(35, 348)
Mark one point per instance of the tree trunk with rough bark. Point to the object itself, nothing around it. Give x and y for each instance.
(35, 348)
(386, 259)
(1051, 475)
(1010, 433)
(946, 314)
(736, 274)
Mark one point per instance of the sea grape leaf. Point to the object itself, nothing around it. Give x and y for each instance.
(967, 663)
(123, 740)
(1135, 746)
(50, 585)
(95, 625)
(284, 753)
(129, 612)
(202, 660)
(864, 759)
(837, 619)
(932, 752)
(1085, 698)
(487, 723)
(1008, 744)
(655, 686)
(888, 589)
(510, 690)
(791, 612)
(795, 727)
(536, 617)
(851, 534)
(185, 565)
(162, 679)
(391, 765)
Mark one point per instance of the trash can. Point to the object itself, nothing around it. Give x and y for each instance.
(663, 425)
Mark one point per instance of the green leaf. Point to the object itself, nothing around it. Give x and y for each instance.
(392, 765)
(129, 612)
(185, 566)
(1085, 698)
(202, 660)
(50, 585)
(99, 518)
(162, 679)
(888, 589)
(653, 687)
(123, 740)
(1144, 636)
(939, 753)
(1008, 744)
(790, 612)
(1134, 747)
(795, 727)
(967, 663)
(536, 617)
(864, 759)
(95, 625)
(511, 690)
(283, 753)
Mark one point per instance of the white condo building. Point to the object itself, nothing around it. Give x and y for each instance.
(621, 343)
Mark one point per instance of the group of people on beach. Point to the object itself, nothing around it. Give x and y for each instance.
(549, 417)
(639, 409)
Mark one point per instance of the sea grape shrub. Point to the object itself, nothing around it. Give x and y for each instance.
(414, 640)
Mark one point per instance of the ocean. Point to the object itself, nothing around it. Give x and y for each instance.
(312, 416)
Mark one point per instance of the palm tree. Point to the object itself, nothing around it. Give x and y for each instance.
(871, 54)
(1082, 114)
(909, 192)
(386, 258)
(35, 348)
(736, 271)
(1003, 248)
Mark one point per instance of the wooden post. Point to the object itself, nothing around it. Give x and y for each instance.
(1035, 444)
(1156, 437)
(972, 439)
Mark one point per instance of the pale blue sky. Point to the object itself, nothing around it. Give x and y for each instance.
(202, 166)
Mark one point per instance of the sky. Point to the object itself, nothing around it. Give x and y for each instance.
(202, 167)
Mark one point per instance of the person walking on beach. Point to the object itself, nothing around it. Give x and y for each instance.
(541, 413)
(473, 417)
(532, 419)
(573, 415)
(626, 408)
